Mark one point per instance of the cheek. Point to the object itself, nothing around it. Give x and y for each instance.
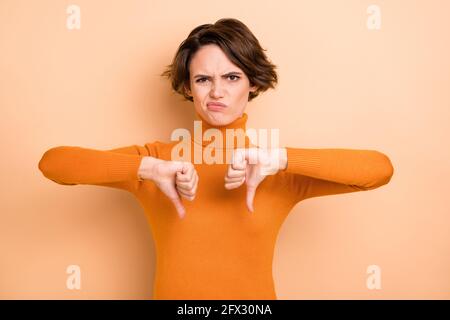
(242, 92)
(200, 91)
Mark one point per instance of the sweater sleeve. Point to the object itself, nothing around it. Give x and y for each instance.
(319, 172)
(72, 165)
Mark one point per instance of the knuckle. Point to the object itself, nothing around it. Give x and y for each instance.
(237, 175)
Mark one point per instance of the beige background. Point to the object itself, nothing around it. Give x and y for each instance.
(341, 85)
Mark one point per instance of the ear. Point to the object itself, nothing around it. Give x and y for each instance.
(253, 89)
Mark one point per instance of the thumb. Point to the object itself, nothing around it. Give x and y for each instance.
(176, 200)
(180, 168)
(250, 197)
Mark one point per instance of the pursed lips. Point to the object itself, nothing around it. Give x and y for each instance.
(215, 106)
(219, 104)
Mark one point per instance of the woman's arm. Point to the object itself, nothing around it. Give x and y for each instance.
(319, 172)
(72, 165)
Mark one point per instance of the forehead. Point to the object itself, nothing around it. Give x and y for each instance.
(211, 58)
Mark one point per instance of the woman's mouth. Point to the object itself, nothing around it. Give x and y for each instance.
(216, 106)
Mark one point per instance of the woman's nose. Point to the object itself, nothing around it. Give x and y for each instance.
(216, 90)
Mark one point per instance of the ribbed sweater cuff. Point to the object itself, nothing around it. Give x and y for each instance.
(124, 167)
(302, 161)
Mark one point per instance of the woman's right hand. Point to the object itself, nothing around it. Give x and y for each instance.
(173, 178)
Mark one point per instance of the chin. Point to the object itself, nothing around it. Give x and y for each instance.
(218, 118)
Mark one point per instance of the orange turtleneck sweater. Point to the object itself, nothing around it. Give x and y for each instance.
(219, 250)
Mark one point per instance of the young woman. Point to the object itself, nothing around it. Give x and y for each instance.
(219, 244)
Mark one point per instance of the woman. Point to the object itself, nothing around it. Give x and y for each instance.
(220, 245)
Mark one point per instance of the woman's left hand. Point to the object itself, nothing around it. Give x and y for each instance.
(252, 165)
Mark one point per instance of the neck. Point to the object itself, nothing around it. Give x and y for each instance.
(229, 136)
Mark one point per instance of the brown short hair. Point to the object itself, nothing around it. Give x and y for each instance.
(237, 42)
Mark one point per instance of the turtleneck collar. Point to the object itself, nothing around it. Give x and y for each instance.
(198, 136)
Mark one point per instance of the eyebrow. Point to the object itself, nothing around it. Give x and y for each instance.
(226, 74)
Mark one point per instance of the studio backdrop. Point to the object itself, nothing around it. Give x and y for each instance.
(353, 74)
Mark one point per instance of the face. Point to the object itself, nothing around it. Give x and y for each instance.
(214, 78)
